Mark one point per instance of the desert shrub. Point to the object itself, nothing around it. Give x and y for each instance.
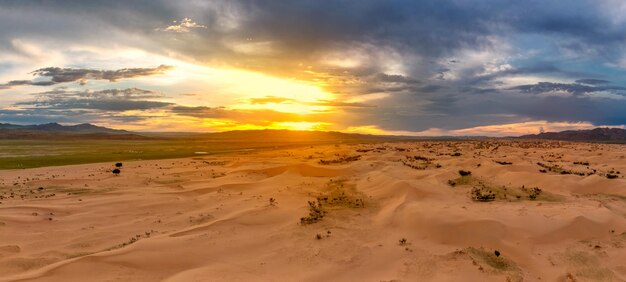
(118, 165)
(465, 172)
(482, 195)
(611, 176)
(419, 158)
(504, 163)
(558, 169)
(116, 171)
(336, 195)
(534, 193)
(402, 242)
(457, 154)
(316, 213)
(418, 162)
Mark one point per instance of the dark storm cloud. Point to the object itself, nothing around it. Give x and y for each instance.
(62, 75)
(25, 82)
(573, 88)
(62, 105)
(383, 77)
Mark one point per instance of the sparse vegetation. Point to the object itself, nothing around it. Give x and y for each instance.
(482, 195)
(533, 193)
(340, 160)
(418, 162)
(496, 262)
(316, 213)
(337, 195)
(558, 169)
(340, 194)
(465, 179)
(116, 171)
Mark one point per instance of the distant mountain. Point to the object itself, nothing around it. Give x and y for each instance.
(302, 136)
(55, 127)
(597, 134)
(55, 131)
(288, 135)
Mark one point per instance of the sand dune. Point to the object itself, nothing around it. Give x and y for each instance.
(211, 218)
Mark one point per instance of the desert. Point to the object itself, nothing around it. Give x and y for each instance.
(388, 211)
(308, 140)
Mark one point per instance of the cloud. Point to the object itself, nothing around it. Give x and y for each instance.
(592, 81)
(63, 75)
(270, 99)
(185, 25)
(110, 100)
(430, 64)
(281, 100)
(246, 116)
(575, 89)
(25, 82)
(383, 77)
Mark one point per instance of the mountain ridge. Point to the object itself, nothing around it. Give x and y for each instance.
(56, 131)
(596, 134)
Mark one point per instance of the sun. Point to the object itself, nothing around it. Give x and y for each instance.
(301, 125)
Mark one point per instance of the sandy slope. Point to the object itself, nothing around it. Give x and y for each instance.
(210, 219)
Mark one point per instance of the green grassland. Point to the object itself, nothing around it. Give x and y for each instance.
(20, 154)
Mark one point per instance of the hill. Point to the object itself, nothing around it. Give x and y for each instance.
(82, 128)
(597, 134)
(55, 131)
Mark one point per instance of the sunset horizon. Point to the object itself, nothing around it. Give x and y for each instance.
(312, 140)
(401, 68)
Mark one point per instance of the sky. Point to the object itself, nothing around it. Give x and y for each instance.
(414, 67)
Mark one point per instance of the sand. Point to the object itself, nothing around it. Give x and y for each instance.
(211, 218)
